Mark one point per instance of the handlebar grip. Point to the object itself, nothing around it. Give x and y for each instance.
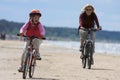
(43, 38)
(23, 35)
(18, 34)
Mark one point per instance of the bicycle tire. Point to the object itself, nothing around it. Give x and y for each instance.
(90, 57)
(89, 62)
(84, 58)
(84, 62)
(25, 70)
(32, 68)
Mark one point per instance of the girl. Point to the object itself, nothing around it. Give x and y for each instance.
(32, 28)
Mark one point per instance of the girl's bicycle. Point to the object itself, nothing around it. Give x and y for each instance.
(29, 62)
(88, 49)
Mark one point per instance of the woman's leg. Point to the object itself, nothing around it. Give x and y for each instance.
(83, 35)
(93, 38)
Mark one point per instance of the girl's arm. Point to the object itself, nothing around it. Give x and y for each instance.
(41, 29)
(24, 27)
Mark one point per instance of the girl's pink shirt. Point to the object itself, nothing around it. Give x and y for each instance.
(40, 26)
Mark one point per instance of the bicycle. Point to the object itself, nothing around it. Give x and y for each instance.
(88, 49)
(29, 62)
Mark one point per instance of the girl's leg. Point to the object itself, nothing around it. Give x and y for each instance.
(36, 43)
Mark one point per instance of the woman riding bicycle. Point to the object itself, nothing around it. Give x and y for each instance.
(32, 28)
(87, 20)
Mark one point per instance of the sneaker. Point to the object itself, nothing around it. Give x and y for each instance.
(92, 61)
(93, 50)
(38, 56)
(81, 57)
(81, 48)
(20, 69)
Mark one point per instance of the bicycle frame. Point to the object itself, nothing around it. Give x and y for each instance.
(89, 42)
(29, 61)
(88, 49)
(32, 52)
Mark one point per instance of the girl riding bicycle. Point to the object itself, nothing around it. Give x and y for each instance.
(32, 28)
(87, 20)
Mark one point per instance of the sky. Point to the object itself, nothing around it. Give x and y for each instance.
(62, 13)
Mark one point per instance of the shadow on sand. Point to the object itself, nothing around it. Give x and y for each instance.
(102, 69)
(43, 79)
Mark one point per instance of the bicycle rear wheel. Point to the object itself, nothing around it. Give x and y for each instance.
(26, 66)
(32, 67)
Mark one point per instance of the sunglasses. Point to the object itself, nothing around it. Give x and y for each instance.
(88, 9)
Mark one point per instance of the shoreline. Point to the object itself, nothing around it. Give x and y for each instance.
(51, 43)
(99, 48)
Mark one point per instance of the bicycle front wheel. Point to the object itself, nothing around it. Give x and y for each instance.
(90, 60)
(32, 67)
(26, 66)
(84, 59)
(84, 62)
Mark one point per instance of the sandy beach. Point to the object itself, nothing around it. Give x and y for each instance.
(57, 64)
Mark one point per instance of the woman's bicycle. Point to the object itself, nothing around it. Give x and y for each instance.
(29, 62)
(88, 49)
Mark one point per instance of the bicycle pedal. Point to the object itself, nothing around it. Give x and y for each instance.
(20, 70)
(38, 58)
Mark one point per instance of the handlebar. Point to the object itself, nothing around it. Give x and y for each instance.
(90, 29)
(32, 37)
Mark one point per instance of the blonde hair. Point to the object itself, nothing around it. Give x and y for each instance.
(86, 6)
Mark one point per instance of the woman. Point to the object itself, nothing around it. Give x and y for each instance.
(87, 19)
(32, 28)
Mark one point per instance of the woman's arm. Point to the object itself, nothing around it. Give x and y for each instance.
(81, 21)
(96, 21)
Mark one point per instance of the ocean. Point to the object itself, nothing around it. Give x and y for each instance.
(100, 47)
